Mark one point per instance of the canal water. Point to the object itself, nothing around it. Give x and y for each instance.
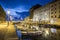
(47, 34)
(54, 35)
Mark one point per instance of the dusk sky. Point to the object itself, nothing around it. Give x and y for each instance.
(21, 5)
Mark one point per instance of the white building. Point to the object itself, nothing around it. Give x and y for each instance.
(47, 13)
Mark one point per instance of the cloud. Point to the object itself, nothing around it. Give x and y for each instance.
(20, 5)
(12, 11)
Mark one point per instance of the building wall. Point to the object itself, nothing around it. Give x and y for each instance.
(55, 12)
(32, 10)
(41, 14)
(2, 14)
(48, 13)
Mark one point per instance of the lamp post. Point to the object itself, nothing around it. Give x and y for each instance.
(8, 12)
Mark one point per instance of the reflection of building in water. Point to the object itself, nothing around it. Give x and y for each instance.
(52, 34)
(2, 14)
(55, 34)
(49, 13)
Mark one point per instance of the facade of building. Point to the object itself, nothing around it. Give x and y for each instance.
(49, 13)
(32, 10)
(55, 12)
(41, 14)
(2, 14)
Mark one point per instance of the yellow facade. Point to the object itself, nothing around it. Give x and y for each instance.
(49, 13)
(55, 12)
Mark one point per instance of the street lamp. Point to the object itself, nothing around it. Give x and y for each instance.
(8, 12)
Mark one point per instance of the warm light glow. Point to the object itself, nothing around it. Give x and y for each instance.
(45, 13)
(52, 21)
(53, 30)
(43, 19)
(36, 27)
(47, 32)
(47, 18)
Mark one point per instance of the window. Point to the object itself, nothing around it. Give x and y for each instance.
(59, 7)
(59, 34)
(51, 16)
(59, 11)
(55, 12)
(51, 5)
(55, 16)
(51, 9)
(55, 4)
(0, 12)
(55, 8)
(51, 12)
(59, 16)
(59, 2)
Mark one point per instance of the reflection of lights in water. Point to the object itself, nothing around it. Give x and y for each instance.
(46, 33)
(53, 30)
(31, 27)
(36, 27)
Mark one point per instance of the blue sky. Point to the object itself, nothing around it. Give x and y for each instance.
(21, 5)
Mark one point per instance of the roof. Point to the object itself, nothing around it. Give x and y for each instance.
(35, 7)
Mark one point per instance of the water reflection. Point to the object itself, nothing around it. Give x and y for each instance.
(41, 33)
